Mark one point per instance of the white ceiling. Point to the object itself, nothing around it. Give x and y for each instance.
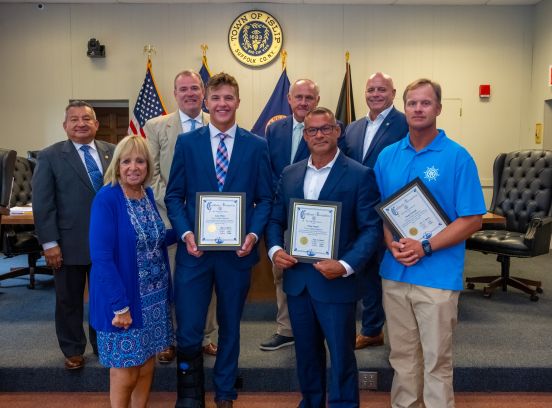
(369, 2)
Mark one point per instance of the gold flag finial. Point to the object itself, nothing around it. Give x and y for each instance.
(149, 50)
(283, 54)
(347, 56)
(204, 49)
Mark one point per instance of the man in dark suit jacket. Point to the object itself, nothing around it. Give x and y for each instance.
(364, 140)
(286, 146)
(322, 296)
(63, 189)
(218, 157)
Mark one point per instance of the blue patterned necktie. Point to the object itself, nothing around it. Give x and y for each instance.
(93, 171)
(192, 124)
(222, 161)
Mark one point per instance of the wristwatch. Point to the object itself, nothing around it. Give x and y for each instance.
(426, 246)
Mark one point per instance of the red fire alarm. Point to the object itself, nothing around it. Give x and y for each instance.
(485, 91)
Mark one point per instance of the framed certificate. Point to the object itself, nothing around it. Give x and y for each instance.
(313, 232)
(220, 221)
(412, 212)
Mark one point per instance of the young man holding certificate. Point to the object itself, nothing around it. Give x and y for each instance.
(322, 293)
(219, 160)
(422, 278)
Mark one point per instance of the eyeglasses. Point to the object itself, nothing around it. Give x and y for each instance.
(326, 130)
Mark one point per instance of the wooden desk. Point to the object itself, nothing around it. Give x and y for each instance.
(18, 219)
(491, 218)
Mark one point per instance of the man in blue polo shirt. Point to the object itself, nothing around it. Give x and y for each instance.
(422, 279)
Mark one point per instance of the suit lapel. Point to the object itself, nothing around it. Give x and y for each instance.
(205, 155)
(378, 137)
(301, 149)
(105, 155)
(336, 174)
(73, 159)
(237, 157)
(358, 141)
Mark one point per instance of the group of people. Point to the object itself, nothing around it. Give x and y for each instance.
(112, 214)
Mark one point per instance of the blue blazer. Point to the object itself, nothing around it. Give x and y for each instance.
(278, 136)
(193, 171)
(360, 235)
(393, 129)
(114, 274)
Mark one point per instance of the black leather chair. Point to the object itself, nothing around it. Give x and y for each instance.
(21, 239)
(32, 156)
(522, 193)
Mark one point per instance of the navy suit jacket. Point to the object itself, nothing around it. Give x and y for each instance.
(393, 129)
(193, 171)
(360, 235)
(278, 136)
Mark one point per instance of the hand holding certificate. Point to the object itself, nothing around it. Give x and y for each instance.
(220, 221)
(313, 229)
(412, 212)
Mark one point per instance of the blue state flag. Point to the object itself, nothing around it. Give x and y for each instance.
(205, 75)
(277, 106)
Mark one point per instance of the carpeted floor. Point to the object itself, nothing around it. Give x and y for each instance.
(501, 344)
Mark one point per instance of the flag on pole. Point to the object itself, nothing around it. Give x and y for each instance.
(204, 72)
(277, 106)
(345, 111)
(148, 104)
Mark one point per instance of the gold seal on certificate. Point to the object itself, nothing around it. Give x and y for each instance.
(313, 232)
(220, 221)
(412, 212)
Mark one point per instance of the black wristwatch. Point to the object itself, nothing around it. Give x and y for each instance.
(426, 246)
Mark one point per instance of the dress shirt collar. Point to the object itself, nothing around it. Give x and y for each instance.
(327, 166)
(383, 114)
(230, 132)
(295, 122)
(78, 145)
(184, 118)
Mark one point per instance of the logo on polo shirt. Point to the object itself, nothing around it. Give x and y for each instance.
(255, 38)
(431, 173)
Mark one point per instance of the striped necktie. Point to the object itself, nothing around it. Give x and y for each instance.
(222, 161)
(192, 124)
(94, 172)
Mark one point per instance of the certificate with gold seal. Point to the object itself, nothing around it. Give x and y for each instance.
(220, 221)
(313, 232)
(412, 212)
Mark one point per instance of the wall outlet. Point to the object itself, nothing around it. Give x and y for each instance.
(368, 380)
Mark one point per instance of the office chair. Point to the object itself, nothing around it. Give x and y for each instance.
(21, 239)
(522, 193)
(7, 167)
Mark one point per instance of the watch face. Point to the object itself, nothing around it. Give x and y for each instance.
(426, 246)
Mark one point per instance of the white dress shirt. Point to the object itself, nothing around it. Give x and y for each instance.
(187, 121)
(372, 129)
(312, 185)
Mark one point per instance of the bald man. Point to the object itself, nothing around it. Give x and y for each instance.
(364, 140)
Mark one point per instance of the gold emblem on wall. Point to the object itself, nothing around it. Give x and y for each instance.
(255, 38)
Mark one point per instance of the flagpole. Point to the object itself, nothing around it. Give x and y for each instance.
(348, 76)
(204, 48)
(283, 55)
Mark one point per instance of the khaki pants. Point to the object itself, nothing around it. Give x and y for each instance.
(282, 317)
(211, 325)
(420, 323)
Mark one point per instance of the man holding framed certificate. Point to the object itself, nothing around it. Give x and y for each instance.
(432, 201)
(218, 200)
(324, 210)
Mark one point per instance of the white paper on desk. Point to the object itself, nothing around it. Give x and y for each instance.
(21, 210)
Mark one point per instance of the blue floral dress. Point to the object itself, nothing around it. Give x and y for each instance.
(133, 347)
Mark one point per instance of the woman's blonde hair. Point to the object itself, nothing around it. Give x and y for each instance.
(127, 145)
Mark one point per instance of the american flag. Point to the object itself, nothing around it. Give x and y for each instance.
(148, 105)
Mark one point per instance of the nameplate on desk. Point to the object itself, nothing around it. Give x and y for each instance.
(21, 210)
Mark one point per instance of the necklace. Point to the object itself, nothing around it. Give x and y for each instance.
(150, 214)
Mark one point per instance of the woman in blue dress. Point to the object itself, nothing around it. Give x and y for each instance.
(129, 280)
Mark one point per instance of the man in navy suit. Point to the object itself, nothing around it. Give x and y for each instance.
(364, 140)
(286, 146)
(218, 157)
(322, 296)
